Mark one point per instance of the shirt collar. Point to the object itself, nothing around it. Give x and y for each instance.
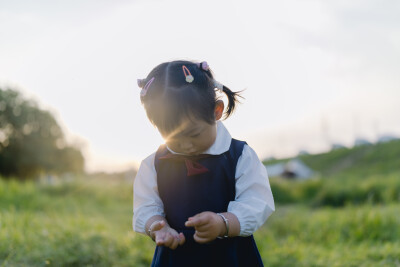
(221, 144)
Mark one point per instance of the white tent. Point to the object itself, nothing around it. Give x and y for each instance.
(294, 168)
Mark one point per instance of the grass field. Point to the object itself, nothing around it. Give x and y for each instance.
(88, 223)
(348, 215)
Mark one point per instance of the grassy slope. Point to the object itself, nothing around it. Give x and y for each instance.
(380, 158)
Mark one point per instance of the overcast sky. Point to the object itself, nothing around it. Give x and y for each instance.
(316, 72)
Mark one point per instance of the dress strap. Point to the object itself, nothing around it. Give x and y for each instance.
(235, 151)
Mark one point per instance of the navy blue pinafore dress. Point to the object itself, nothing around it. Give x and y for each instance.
(184, 196)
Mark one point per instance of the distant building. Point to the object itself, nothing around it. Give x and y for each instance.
(293, 169)
(275, 169)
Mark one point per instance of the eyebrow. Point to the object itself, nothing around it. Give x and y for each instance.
(190, 131)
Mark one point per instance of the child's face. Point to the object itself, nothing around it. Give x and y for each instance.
(192, 137)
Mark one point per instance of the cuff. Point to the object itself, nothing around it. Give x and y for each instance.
(140, 218)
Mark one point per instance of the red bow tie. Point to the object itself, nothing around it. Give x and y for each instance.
(193, 167)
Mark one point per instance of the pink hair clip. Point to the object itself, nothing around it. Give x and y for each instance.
(146, 87)
(188, 75)
(140, 82)
(203, 65)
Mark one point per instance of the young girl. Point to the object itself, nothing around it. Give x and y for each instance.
(202, 194)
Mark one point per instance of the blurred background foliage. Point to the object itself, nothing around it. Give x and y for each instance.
(31, 141)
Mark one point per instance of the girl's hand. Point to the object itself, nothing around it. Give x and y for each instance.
(208, 226)
(166, 236)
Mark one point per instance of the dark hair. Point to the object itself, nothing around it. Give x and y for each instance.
(170, 98)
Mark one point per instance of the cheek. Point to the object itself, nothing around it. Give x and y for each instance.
(208, 140)
(172, 144)
(211, 141)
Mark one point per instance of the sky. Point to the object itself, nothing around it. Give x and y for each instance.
(315, 72)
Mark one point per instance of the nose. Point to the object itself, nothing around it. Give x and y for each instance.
(186, 145)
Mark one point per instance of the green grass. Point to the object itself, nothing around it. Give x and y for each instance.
(339, 191)
(381, 158)
(350, 236)
(88, 223)
(375, 159)
(74, 224)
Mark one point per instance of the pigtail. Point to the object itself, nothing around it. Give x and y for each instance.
(232, 96)
(232, 100)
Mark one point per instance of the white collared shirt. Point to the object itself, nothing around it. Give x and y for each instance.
(253, 202)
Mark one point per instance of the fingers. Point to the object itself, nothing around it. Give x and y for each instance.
(197, 220)
(174, 244)
(170, 240)
(160, 239)
(164, 239)
(201, 240)
(158, 225)
(202, 234)
(182, 239)
(202, 228)
(178, 240)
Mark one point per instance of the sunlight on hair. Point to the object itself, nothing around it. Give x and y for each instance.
(177, 131)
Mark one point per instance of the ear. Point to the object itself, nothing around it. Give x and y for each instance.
(219, 109)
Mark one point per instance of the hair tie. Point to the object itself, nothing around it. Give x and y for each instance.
(203, 65)
(188, 75)
(219, 86)
(146, 87)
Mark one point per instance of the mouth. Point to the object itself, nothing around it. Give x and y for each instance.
(191, 152)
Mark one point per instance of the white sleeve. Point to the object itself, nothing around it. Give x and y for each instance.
(253, 202)
(146, 200)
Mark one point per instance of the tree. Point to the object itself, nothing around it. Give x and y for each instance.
(31, 140)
